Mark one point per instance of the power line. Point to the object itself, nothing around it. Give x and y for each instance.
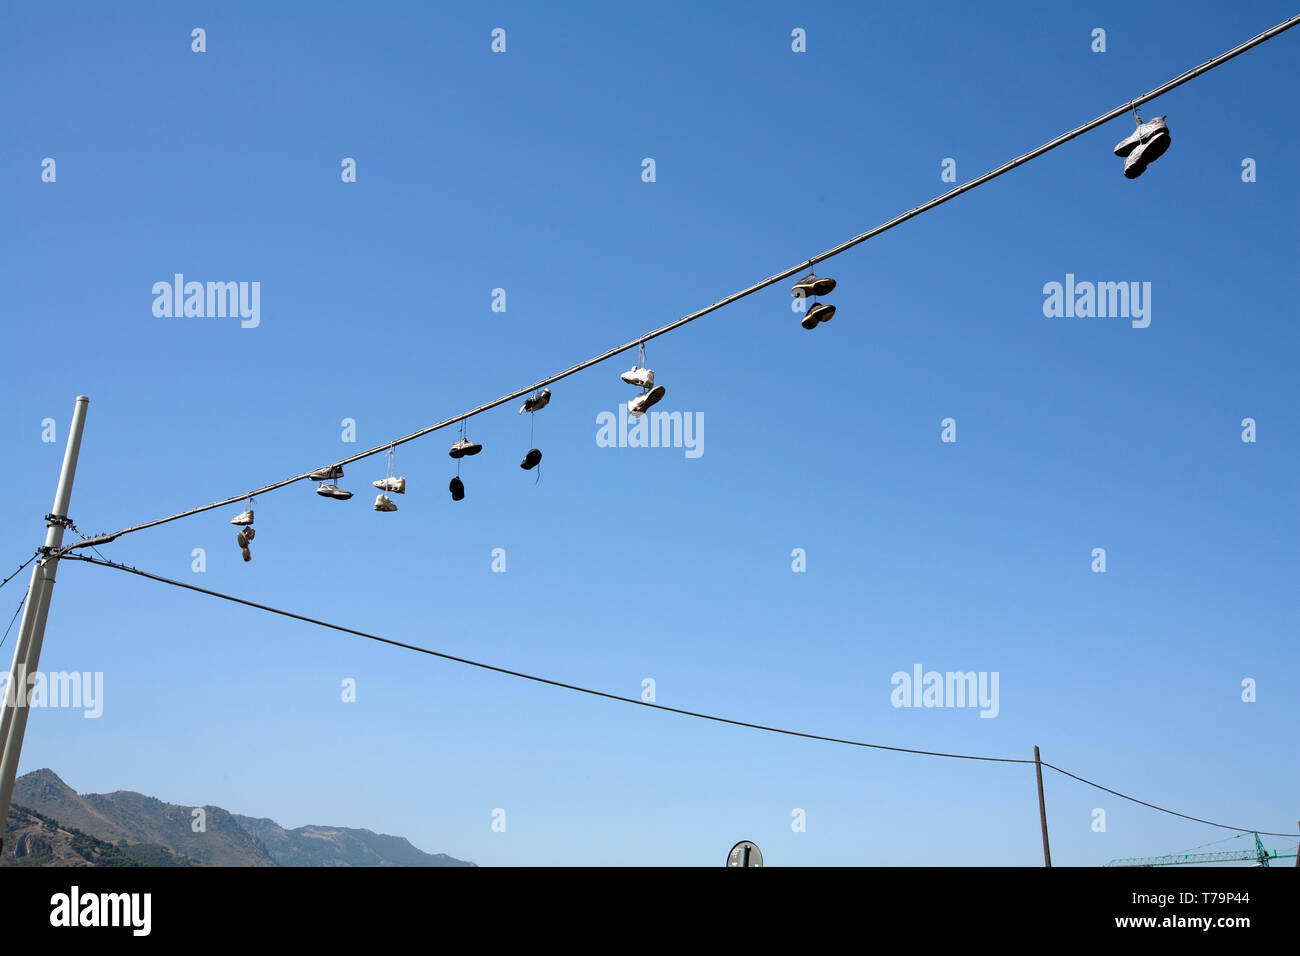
(771, 280)
(633, 700)
(12, 619)
(20, 568)
(532, 677)
(1125, 796)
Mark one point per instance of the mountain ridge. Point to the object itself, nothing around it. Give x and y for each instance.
(49, 817)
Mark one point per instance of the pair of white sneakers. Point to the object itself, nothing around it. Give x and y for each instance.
(396, 485)
(1143, 146)
(643, 378)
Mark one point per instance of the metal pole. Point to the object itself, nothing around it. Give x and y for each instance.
(1042, 807)
(27, 652)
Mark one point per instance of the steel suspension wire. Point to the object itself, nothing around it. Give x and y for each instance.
(771, 280)
(1125, 796)
(34, 556)
(12, 619)
(532, 677)
(642, 703)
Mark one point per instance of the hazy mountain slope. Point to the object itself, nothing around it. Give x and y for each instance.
(136, 828)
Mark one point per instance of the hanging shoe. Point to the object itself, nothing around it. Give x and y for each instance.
(820, 312)
(242, 539)
(333, 491)
(639, 404)
(465, 447)
(332, 473)
(644, 377)
(395, 485)
(457, 489)
(249, 533)
(813, 285)
(244, 517)
(1143, 133)
(384, 503)
(1145, 154)
(536, 402)
(248, 555)
(531, 460)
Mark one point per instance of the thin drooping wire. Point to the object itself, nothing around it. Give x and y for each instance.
(532, 677)
(1125, 796)
(1235, 836)
(771, 280)
(73, 527)
(12, 619)
(642, 703)
(34, 556)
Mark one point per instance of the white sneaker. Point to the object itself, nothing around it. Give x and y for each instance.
(396, 485)
(327, 490)
(639, 404)
(1144, 133)
(384, 503)
(644, 377)
(244, 517)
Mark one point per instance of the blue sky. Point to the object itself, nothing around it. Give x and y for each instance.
(522, 171)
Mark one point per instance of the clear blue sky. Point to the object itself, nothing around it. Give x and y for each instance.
(522, 171)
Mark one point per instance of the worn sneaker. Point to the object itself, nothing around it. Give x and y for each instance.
(244, 517)
(820, 312)
(639, 404)
(395, 485)
(384, 503)
(327, 490)
(465, 447)
(1145, 154)
(537, 402)
(457, 489)
(645, 377)
(248, 555)
(1143, 133)
(332, 473)
(249, 533)
(242, 539)
(813, 285)
(531, 460)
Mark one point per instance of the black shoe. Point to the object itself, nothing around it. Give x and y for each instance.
(819, 312)
(457, 489)
(536, 402)
(531, 460)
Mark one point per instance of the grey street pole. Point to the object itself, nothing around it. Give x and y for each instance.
(27, 652)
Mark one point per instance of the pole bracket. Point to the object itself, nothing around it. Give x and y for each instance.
(63, 521)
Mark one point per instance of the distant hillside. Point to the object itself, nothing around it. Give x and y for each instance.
(140, 830)
(337, 846)
(33, 839)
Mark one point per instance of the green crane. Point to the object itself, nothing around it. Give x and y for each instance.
(1259, 855)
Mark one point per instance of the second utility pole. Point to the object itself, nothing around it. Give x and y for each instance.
(1042, 807)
